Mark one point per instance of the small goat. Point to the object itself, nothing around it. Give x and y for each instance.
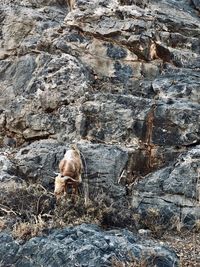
(70, 173)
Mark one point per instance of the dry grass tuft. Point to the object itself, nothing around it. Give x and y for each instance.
(26, 230)
(68, 212)
(132, 263)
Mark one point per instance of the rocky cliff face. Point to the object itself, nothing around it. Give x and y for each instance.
(119, 78)
(84, 245)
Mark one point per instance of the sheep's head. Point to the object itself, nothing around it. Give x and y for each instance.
(59, 189)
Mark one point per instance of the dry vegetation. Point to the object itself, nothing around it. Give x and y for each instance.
(150, 259)
(186, 244)
(30, 210)
(132, 263)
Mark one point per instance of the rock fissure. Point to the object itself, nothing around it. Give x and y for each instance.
(121, 80)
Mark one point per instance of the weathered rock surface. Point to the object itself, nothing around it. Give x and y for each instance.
(85, 245)
(120, 78)
(7, 169)
(58, 75)
(172, 193)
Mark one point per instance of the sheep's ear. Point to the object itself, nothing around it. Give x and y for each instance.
(56, 173)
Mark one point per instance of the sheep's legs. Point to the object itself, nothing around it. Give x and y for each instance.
(74, 192)
(65, 190)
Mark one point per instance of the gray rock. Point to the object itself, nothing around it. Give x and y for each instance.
(8, 249)
(175, 86)
(7, 168)
(126, 114)
(121, 79)
(84, 245)
(107, 162)
(173, 124)
(39, 160)
(62, 64)
(172, 192)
